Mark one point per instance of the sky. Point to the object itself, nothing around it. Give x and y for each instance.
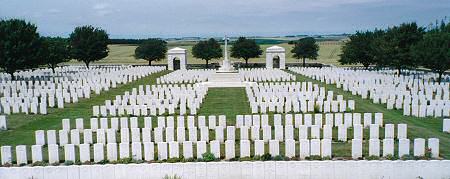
(212, 18)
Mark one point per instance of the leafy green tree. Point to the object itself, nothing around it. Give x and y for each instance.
(245, 48)
(305, 48)
(151, 50)
(20, 46)
(359, 50)
(56, 51)
(394, 48)
(207, 50)
(89, 44)
(433, 51)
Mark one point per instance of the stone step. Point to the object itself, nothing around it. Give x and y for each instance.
(225, 77)
(227, 84)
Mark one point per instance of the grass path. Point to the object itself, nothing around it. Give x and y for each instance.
(21, 127)
(226, 101)
(417, 127)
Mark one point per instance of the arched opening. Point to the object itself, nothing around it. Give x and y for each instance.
(276, 61)
(176, 63)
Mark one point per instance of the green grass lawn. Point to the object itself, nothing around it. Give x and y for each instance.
(226, 101)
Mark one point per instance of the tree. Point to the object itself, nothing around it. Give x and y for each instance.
(89, 44)
(151, 50)
(245, 48)
(20, 46)
(207, 50)
(359, 50)
(394, 48)
(56, 51)
(305, 48)
(433, 51)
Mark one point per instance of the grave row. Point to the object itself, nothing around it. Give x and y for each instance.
(264, 74)
(150, 151)
(403, 147)
(186, 76)
(35, 97)
(307, 119)
(155, 101)
(417, 97)
(194, 134)
(296, 97)
(164, 150)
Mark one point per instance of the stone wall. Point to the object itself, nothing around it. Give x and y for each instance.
(235, 170)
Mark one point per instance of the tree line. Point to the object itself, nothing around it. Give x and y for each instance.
(22, 47)
(406, 46)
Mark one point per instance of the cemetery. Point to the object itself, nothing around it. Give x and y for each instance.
(290, 119)
(278, 118)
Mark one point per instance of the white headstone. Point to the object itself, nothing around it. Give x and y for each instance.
(290, 148)
(274, 147)
(342, 133)
(21, 154)
(192, 134)
(358, 131)
(446, 125)
(99, 153)
(204, 134)
(85, 153)
(162, 150)
(388, 147)
(101, 137)
(402, 131)
(304, 148)
(419, 147)
(40, 137)
(374, 147)
(136, 150)
(69, 152)
(389, 131)
(5, 152)
(356, 148)
(53, 153)
(403, 147)
(229, 149)
(231, 131)
(149, 151)
(374, 131)
(303, 132)
(174, 150)
(188, 149)
(245, 148)
(124, 150)
(315, 147)
(326, 147)
(3, 123)
(75, 136)
(215, 148)
(259, 147)
(79, 123)
(36, 153)
(201, 148)
(267, 133)
(433, 145)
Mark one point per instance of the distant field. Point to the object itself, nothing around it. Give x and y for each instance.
(123, 54)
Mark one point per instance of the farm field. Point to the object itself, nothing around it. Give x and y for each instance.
(124, 54)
